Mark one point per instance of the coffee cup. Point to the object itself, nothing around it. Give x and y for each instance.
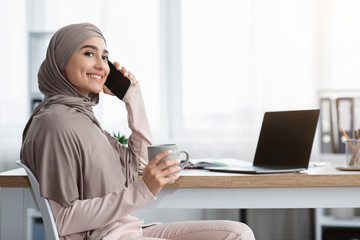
(176, 152)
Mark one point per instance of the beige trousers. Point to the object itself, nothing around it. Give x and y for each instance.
(200, 230)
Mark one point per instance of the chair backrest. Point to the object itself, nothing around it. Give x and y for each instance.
(44, 206)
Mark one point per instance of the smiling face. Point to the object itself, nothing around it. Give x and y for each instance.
(88, 67)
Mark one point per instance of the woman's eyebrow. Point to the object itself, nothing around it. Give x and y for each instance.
(94, 48)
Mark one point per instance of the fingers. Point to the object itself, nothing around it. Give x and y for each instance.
(169, 163)
(117, 65)
(126, 73)
(170, 175)
(155, 160)
(121, 69)
(163, 168)
(107, 90)
(172, 178)
(129, 75)
(168, 171)
(158, 173)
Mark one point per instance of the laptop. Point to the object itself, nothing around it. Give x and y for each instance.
(284, 144)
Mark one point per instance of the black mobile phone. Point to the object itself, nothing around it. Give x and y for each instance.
(117, 82)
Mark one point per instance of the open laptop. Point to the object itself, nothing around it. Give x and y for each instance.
(284, 144)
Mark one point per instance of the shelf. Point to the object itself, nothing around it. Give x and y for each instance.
(332, 221)
(326, 220)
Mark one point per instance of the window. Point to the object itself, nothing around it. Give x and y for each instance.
(208, 69)
(232, 61)
(215, 66)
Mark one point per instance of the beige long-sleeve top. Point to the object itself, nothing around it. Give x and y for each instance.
(84, 215)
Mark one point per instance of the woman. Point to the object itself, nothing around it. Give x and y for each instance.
(90, 179)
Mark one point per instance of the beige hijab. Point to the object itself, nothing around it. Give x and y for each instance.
(63, 143)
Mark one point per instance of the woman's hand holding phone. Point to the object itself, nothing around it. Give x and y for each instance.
(110, 83)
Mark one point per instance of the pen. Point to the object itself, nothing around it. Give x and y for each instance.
(347, 138)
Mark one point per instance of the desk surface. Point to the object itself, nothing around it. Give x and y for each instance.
(326, 176)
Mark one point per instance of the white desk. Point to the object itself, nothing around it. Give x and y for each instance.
(322, 187)
(316, 188)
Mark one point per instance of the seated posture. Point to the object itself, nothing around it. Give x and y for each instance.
(89, 178)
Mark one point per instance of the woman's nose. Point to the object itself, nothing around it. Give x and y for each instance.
(100, 63)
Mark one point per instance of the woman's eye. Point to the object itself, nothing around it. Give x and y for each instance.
(89, 54)
(105, 58)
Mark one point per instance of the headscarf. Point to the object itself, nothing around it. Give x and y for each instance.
(62, 46)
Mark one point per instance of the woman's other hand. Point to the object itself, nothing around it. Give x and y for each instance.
(155, 174)
(125, 73)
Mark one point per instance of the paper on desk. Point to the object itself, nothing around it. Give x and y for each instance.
(212, 162)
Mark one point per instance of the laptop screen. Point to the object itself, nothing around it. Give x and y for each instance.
(286, 139)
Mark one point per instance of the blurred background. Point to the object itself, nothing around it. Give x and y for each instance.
(208, 69)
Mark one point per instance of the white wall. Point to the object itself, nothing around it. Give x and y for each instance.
(14, 87)
(325, 34)
(333, 62)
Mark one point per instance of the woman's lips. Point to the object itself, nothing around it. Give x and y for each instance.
(96, 77)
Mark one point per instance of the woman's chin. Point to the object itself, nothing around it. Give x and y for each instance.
(97, 90)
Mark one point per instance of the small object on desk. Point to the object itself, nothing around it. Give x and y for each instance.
(349, 168)
(319, 164)
(202, 163)
(352, 153)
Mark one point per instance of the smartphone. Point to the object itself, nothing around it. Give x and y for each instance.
(117, 82)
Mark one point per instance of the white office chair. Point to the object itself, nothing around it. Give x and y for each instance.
(51, 232)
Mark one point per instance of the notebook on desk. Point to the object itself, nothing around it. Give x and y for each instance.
(284, 143)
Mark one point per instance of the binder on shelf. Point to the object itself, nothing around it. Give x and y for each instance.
(345, 120)
(326, 127)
